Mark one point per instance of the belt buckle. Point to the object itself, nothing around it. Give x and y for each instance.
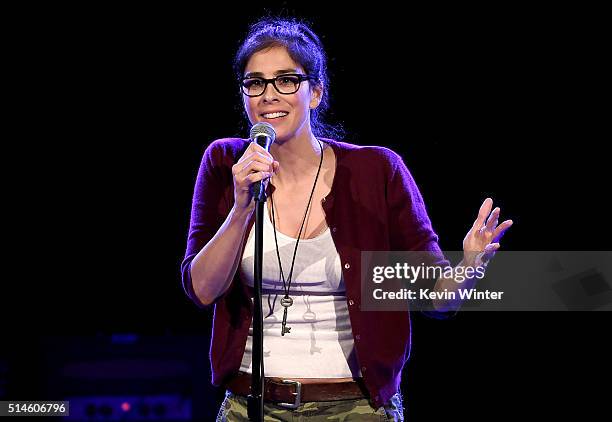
(298, 395)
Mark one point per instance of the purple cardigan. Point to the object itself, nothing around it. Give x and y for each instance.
(374, 205)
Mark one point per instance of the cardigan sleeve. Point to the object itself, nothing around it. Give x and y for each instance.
(410, 228)
(206, 217)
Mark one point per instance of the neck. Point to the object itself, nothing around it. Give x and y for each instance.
(299, 159)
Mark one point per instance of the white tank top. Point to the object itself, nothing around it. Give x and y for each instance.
(320, 344)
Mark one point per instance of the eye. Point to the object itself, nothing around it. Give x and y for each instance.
(287, 80)
(252, 83)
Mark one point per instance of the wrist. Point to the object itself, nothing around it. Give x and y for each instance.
(469, 259)
(240, 215)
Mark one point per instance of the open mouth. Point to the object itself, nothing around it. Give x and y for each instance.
(275, 115)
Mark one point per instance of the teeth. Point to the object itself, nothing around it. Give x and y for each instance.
(275, 115)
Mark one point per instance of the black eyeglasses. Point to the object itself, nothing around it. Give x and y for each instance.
(284, 84)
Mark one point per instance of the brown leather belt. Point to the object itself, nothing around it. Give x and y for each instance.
(289, 393)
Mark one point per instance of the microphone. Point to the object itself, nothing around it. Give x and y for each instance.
(264, 135)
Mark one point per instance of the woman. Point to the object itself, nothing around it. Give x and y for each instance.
(328, 201)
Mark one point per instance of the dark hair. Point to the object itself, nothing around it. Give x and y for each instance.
(305, 48)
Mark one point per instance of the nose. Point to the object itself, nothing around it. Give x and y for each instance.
(270, 94)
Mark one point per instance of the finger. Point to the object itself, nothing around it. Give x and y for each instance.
(253, 166)
(258, 148)
(254, 156)
(501, 229)
(254, 177)
(246, 153)
(492, 220)
(489, 251)
(253, 148)
(484, 211)
(263, 157)
(492, 247)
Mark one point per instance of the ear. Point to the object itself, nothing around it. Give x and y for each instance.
(245, 111)
(244, 99)
(316, 94)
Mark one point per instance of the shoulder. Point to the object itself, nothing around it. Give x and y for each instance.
(226, 146)
(372, 155)
(224, 151)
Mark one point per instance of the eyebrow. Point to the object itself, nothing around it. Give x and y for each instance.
(278, 72)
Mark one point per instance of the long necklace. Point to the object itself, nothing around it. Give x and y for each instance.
(287, 301)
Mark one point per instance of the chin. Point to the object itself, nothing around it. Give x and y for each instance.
(281, 138)
(282, 134)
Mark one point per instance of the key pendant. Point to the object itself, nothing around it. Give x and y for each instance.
(284, 328)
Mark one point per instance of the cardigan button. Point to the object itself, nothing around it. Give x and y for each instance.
(347, 265)
(357, 337)
(351, 302)
(334, 229)
(363, 369)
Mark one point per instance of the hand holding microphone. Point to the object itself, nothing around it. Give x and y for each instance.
(254, 167)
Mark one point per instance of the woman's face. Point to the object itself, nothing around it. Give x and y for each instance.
(293, 110)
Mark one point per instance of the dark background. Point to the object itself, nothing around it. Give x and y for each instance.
(112, 109)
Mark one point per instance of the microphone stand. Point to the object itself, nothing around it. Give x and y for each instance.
(255, 400)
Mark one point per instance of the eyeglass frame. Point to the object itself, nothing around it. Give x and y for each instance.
(301, 78)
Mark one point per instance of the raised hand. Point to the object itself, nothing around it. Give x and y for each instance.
(482, 241)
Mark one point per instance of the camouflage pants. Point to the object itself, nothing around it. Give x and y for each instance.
(234, 409)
